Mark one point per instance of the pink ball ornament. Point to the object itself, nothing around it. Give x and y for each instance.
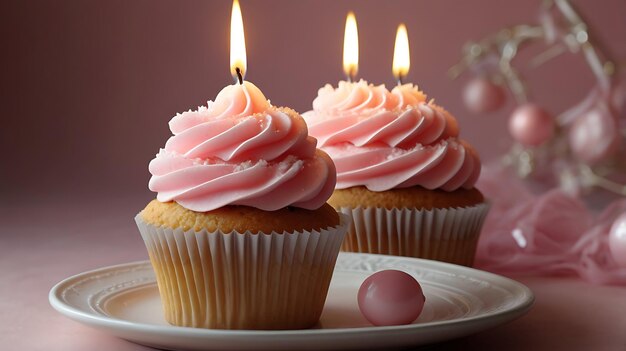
(390, 297)
(595, 136)
(617, 240)
(531, 125)
(482, 95)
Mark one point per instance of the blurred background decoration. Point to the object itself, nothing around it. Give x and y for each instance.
(568, 215)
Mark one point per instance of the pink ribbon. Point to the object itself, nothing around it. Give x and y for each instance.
(551, 233)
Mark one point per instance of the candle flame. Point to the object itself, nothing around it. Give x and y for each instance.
(237, 43)
(351, 47)
(401, 55)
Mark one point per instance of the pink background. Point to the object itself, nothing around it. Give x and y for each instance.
(89, 86)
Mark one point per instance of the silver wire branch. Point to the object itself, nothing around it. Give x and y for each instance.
(590, 176)
(579, 30)
(505, 44)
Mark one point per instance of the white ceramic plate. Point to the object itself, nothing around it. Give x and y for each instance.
(124, 301)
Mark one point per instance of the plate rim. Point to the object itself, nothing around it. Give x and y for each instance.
(58, 303)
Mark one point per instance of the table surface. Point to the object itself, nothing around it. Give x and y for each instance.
(42, 243)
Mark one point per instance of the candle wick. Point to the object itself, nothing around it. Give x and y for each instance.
(400, 79)
(239, 76)
(350, 75)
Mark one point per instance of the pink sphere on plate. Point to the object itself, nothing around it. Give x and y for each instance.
(391, 297)
(482, 95)
(617, 240)
(531, 125)
(595, 136)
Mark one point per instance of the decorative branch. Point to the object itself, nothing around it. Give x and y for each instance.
(586, 136)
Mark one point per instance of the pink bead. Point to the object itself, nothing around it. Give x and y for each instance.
(617, 240)
(390, 297)
(595, 136)
(531, 125)
(482, 95)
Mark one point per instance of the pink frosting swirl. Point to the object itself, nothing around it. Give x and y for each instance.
(240, 150)
(384, 140)
(362, 99)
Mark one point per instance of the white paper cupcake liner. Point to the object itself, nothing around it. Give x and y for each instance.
(243, 280)
(446, 234)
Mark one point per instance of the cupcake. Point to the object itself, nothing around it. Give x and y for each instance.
(240, 235)
(403, 174)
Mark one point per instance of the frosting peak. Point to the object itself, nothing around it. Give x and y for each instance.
(408, 95)
(241, 150)
(352, 98)
(364, 98)
(233, 101)
(390, 139)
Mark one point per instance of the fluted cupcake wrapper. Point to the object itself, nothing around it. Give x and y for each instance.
(444, 234)
(243, 280)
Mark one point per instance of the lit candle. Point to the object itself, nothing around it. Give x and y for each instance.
(242, 93)
(351, 48)
(401, 55)
(238, 63)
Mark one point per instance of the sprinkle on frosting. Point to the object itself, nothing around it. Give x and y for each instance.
(241, 150)
(385, 139)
